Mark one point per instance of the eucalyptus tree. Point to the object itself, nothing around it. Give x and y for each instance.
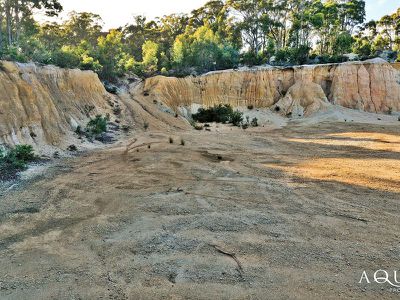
(16, 12)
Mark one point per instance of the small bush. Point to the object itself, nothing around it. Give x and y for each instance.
(97, 125)
(164, 71)
(220, 114)
(23, 153)
(146, 125)
(117, 110)
(112, 89)
(72, 148)
(254, 122)
(15, 160)
(171, 140)
(236, 118)
(250, 107)
(182, 142)
(79, 130)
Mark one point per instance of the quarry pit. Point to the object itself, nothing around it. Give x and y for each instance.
(279, 210)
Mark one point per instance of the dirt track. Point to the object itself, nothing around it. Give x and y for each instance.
(304, 210)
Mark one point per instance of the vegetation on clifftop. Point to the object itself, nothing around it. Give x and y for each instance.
(218, 35)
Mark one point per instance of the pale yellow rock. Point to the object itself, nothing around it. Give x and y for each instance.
(372, 86)
(396, 65)
(302, 99)
(39, 104)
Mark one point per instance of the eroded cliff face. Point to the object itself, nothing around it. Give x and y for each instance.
(38, 105)
(372, 86)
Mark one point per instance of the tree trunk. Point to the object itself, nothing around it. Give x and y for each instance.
(16, 19)
(8, 22)
(1, 25)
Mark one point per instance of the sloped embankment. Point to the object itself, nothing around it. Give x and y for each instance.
(38, 105)
(43, 105)
(371, 86)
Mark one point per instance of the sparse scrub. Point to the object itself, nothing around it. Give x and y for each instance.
(222, 113)
(126, 128)
(254, 122)
(117, 110)
(15, 160)
(97, 126)
(79, 130)
(72, 148)
(236, 118)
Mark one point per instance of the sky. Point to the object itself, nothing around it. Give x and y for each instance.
(117, 13)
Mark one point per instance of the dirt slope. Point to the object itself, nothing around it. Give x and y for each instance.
(304, 209)
(41, 105)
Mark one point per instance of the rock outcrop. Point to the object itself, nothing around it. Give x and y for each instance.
(372, 86)
(38, 105)
(396, 65)
(302, 99)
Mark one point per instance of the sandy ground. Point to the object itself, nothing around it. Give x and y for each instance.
(291, 213)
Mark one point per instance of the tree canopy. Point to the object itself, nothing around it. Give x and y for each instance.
(218, 35)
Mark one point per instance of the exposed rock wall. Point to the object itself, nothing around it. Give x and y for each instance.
(302, 99)
(372, 86)
(396, 65)
(40, 104)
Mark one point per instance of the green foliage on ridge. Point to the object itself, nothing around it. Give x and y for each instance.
(218, 35)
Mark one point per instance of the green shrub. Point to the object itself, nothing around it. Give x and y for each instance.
(297, 56)
(254, 122)
(164, 71)
(97, 125)
(219, 114)
(236, 118)
(65, 59)
(15, 160)
(79, 130)
(222, 113)
(23, 153)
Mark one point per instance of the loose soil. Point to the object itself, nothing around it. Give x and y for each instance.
(292, 213)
